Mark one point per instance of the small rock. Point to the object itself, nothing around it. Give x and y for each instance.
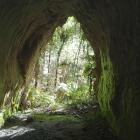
(29, 119)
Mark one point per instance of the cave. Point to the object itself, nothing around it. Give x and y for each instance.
(112, 28)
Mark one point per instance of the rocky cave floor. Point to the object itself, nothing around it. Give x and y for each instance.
(26, 127)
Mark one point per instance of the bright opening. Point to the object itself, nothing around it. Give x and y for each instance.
(64, 74)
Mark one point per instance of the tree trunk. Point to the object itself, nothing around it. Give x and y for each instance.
(57, 63)
(37, 70)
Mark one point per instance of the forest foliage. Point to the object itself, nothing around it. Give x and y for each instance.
(64, 74)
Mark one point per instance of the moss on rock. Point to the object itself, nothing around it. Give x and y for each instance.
(1, 119)
(106, 87)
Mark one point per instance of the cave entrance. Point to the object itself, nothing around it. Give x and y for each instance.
(60, 101)
(63, 77)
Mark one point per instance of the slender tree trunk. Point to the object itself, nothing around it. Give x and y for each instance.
(49, 61)
(76, 59)
(37, 70)
(48, 66)
(57, 63)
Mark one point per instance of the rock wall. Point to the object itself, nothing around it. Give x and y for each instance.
(24, 27)
(112, 27)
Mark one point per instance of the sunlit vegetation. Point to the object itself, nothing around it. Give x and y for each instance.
(64, 75)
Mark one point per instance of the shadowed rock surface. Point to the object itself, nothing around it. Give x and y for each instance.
(111, 26)
(59, 129)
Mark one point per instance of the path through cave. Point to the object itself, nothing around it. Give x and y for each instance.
(56, 127)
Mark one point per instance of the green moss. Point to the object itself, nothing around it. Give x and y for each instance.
(7, 112)
(16, 101)
(2, 93)
(55, 118)
(106, 87)
(1, 119)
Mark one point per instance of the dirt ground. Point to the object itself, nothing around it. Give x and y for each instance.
(31, 129)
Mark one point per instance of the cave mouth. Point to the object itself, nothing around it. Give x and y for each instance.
(60, 96)
(112, 28)
(63, 78)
